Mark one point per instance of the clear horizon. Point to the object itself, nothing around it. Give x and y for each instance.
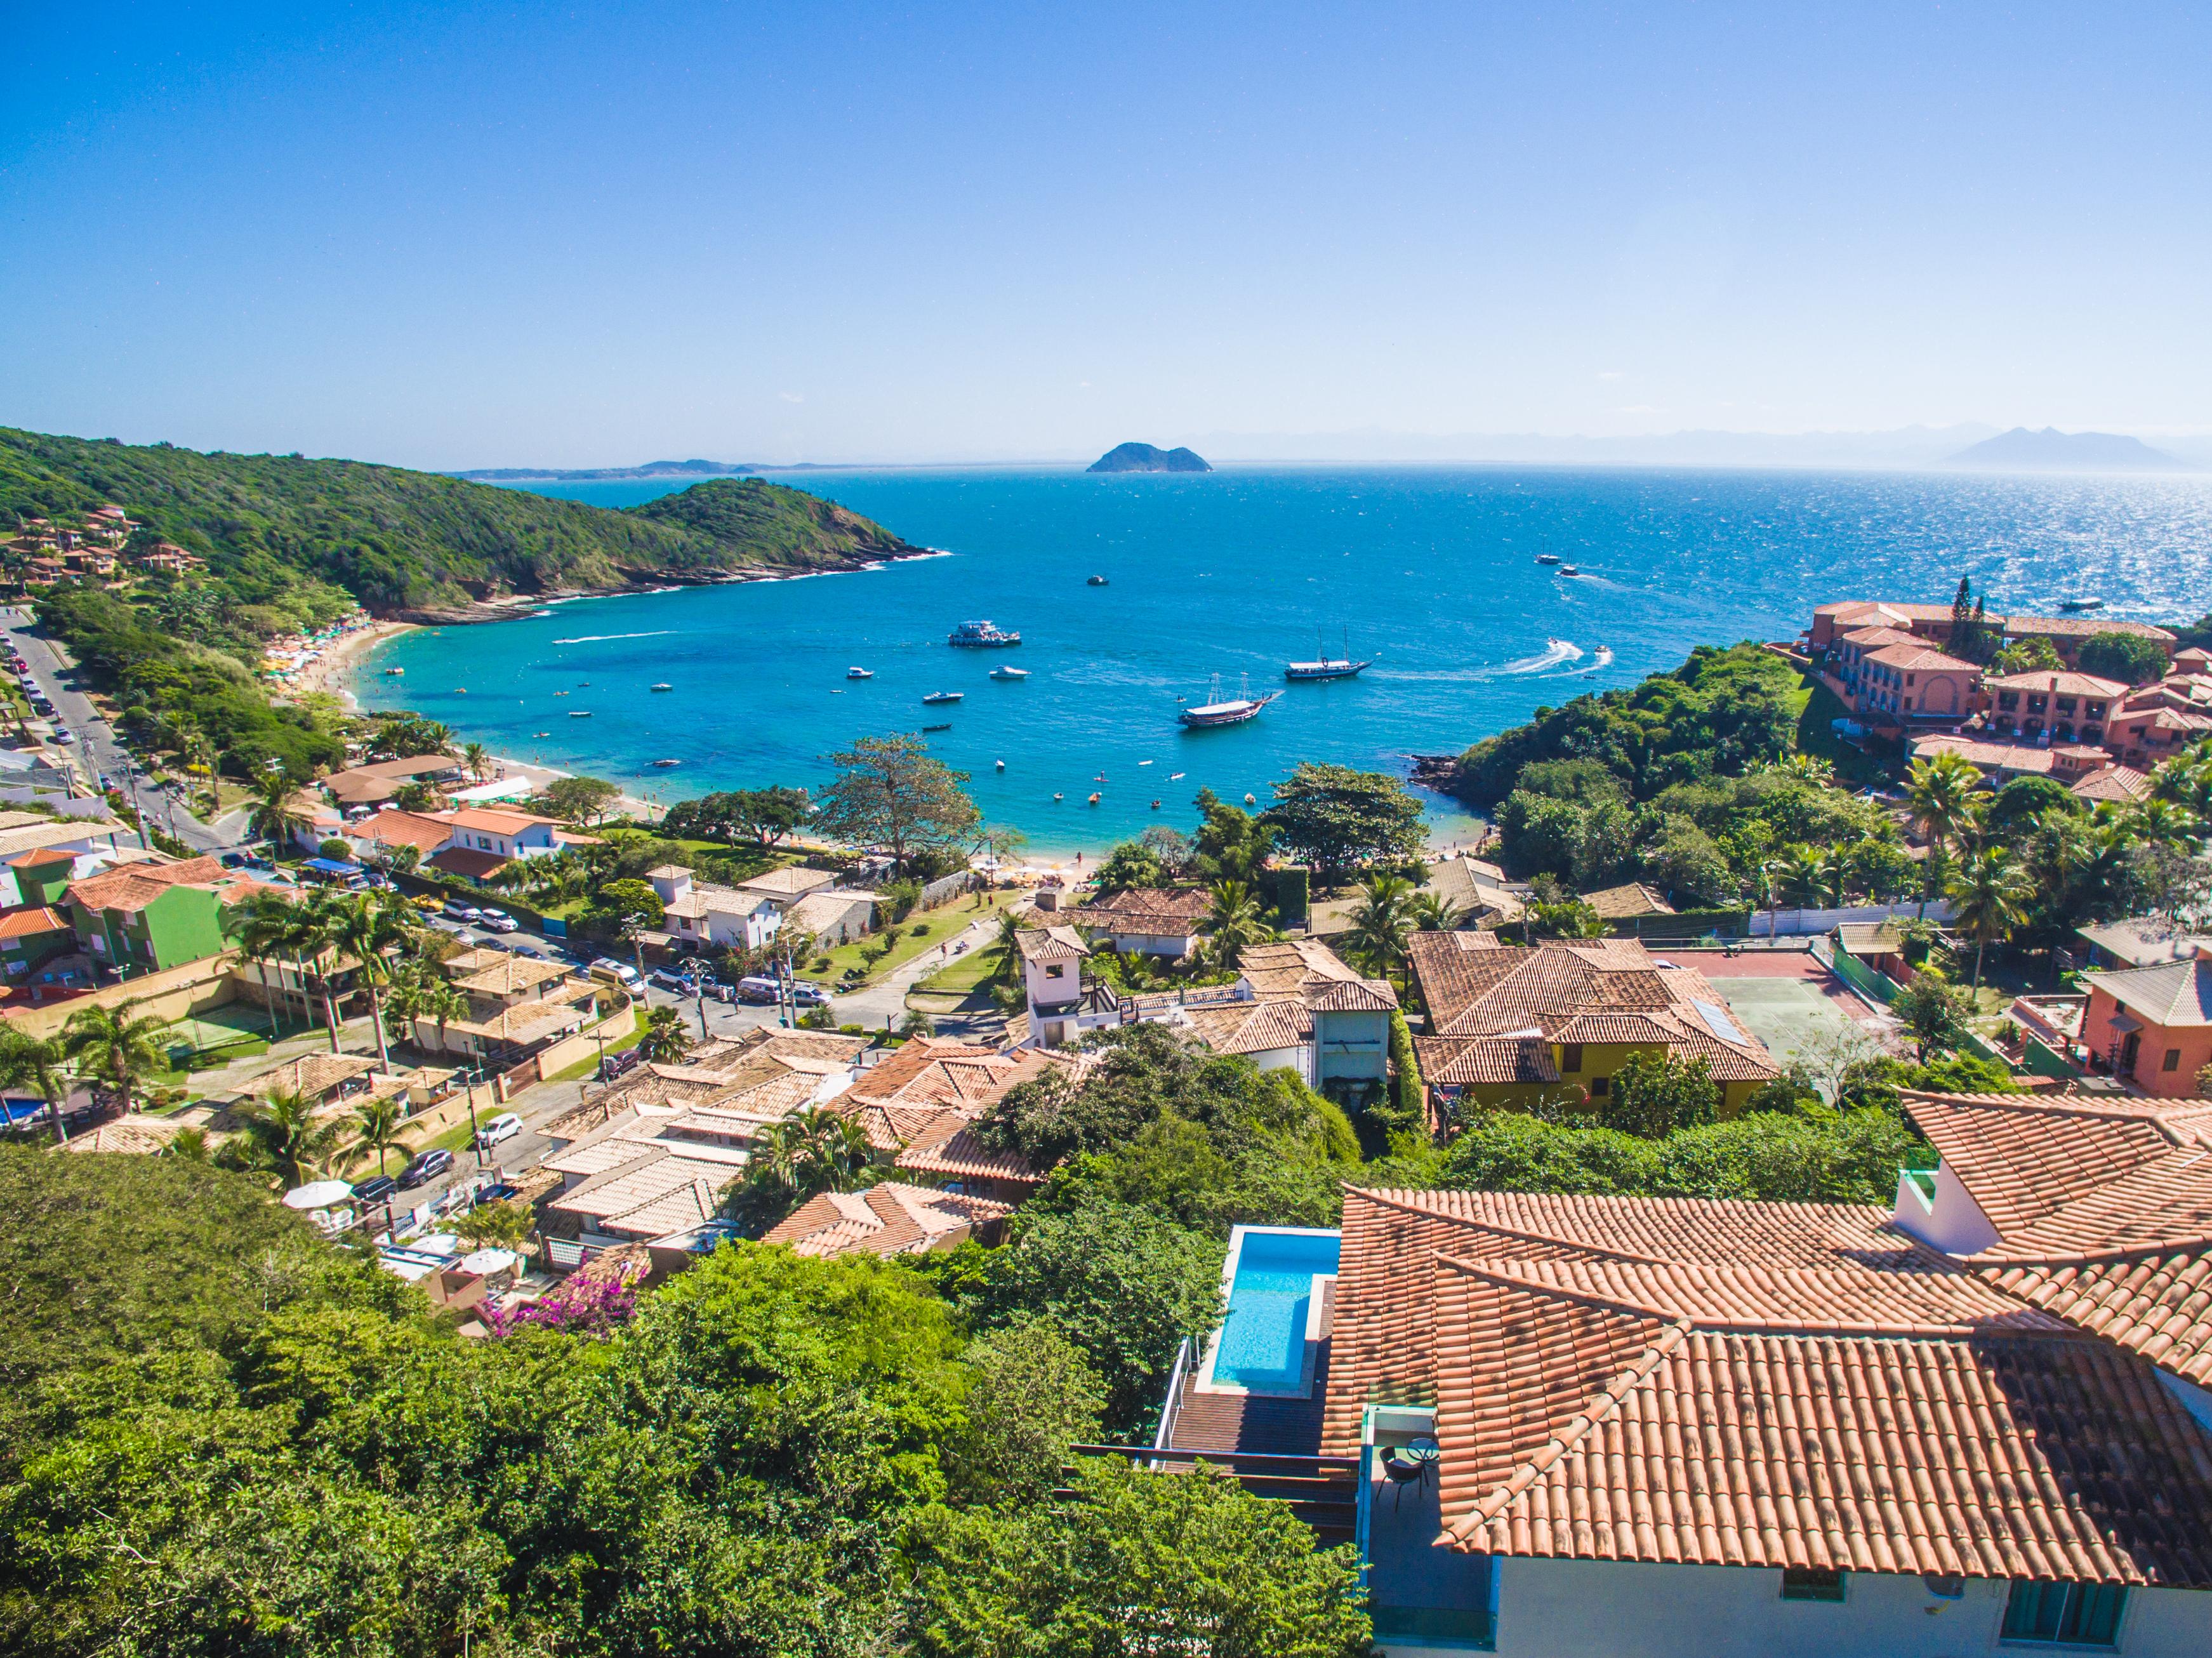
(465, 237)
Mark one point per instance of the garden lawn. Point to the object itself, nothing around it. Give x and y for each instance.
(584, 1067)
(963, 976)
(947, 922)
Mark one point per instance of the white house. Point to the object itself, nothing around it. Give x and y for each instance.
(469, 841)
(700, 916)
(1165, 922)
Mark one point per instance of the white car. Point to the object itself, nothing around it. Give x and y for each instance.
(504, 1127)
(497, 920)
(609, 971)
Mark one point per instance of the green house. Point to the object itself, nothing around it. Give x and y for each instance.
(30, 937)
(142, 918)
(42, 875)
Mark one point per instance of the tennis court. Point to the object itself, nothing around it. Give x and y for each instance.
(1791, 1016)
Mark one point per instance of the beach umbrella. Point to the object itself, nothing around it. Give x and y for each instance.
(316, 1194)
(485, 1262)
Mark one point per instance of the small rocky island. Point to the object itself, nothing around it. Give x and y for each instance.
(1144, 458)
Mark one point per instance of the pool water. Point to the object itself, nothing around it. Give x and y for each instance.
(1263, 1339)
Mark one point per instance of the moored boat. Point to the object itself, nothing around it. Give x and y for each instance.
(1325, 666)
(859, 673)
(663, 686)
(975, 635)
(1095, 581)
(944, 727)
(2091, 602)
(1217, 710)
(936, 697)
(1005, 671)
(1547, 558)
(665, 764)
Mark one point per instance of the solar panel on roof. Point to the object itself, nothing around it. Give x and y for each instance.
(1718, 1022)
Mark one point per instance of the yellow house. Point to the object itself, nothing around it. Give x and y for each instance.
(1511, 1026)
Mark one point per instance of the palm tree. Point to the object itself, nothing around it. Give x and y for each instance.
(476, 759)
(1803, 876)
(262, 924)
(280, 1134)
(440, 1001)
(379, 1126)
(1941, 788)
(365, 925)
(1380, 922)
(664, 1040)
(1235, 922)
(1008, 941)
(2162, 823)
(917, 1023)
(1989, 898)
(30, 1062)
(312, 940)
(1434, 912)
(106, 1044)
(271, 814)
(1809, 767)
(813, 1150)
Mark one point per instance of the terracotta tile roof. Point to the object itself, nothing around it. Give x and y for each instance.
(2119, 784)
(132, 887)
(403, 829)
(40, 857)
(960, 1156)
(1459, 1061)
(932, 1071)
(1349, 996)
(1618, 903)
(2056, 682)
(1578, 1427)
(1153, 912)
(2025, 1157)
(790, 882)
(510, 976)
(488, 821)
(31, 920)
(1251, 1027)
(1295, 969)
(466, 862)
(1382, 1347)
(829, 905)
(2158, 1304)
(889, 1218)
(1873, 639)
(1051, 943)
(311, 1074)
(1919, 658)
(136, 1135)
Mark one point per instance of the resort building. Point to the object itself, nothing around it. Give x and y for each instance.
(2061, 706)
(376, 782)
(1514, 1026)
(2155, 722)
(1975, 1420)
(470, 842)
(2066, 634)
(787, 886)
(1900, 686)
(2152, 1026)
(1164, 921)
(2142, 941)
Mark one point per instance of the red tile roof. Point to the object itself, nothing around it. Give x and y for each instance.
(1153, 912)
(31, 920)
(889, 1218)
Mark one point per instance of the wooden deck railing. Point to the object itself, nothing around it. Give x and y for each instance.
(1322, 1491)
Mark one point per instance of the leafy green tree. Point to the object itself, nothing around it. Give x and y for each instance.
(1933, 1012)
(583, 801)
(113, 1049)
(1129, 864)
(502, 1224)
(35, 1063)
(1123, 1285)
(1569, 919)
(272, 814)
(813, 1150)
(380, 1128)
(2030, 655)
(1335, 817)
(1033, 1395)
(1234, 924)
(1232, 845)
(1139, 1564)
(2128, 658)
(889, 792)
(281, 1136)
(1653, 1095)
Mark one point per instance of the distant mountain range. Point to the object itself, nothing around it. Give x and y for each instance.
(652, 469)
(1144, 458)
(2053, 451)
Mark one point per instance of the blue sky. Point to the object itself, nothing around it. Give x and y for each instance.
(464, 235)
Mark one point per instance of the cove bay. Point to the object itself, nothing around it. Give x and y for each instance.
(1428, 571)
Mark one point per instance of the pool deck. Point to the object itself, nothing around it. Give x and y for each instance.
(1253, 1423)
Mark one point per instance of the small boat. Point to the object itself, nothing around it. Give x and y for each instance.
(579, 713)
(460, 690)
(560, 693)
(541, 733)
(1175, 776)
(1156, 806)
(1250, 799)
(1060, 797)
(945, 727)
(982, 636)
(394, 673)
(859, 673)
(664, 686)
(1144, 762)
(936, 697)
(2079, 605)
(1094, 797)
(1232, 711)
(997, 765)
(664, 764)
(1559, 644)
(1547, 558)
(1004, 671)
(1095, 581)
(1569, 569)
(1604, 657)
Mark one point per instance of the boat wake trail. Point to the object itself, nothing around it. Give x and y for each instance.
(595, 639)
(1555, 652)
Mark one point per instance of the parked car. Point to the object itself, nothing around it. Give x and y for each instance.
(806, 995)
(504, 1127)
(425, 1166)
(618, 1065)
(667, 978)
(375, 1189)
(530, 951)
(758, 991)
(609, 971)
(424, 902)
(497, 920)
(455, 910)
(720, 992)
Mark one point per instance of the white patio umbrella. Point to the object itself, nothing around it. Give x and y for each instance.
(485, 1262)
(316, 1194)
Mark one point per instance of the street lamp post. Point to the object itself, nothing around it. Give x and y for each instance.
(476, 1139)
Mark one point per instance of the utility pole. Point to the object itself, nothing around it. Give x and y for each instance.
(476, 1139)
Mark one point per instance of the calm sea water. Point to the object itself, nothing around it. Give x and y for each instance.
(1429, 571)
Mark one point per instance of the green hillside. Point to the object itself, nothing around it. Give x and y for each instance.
(398, 540)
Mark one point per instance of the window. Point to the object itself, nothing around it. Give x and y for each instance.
(1600, 1087)
(1812, 1584)
(2173, 1061)
(1571, 1057)
(2065, 1614)
(1052, 970)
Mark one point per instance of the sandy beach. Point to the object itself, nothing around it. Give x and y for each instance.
(333, 668)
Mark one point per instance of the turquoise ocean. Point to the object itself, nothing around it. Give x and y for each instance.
(1429, 571)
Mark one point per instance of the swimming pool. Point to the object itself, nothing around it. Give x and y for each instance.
(1263, 1346)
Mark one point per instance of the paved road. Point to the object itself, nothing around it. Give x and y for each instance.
(95, 747)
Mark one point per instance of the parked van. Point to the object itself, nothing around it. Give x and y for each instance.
(608, 970)
(759, 991)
